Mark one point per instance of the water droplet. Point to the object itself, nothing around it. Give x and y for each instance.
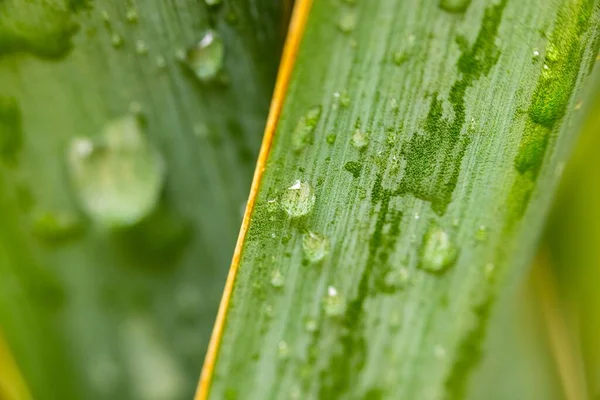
(331, 138)
(397, 278)
(206, 57)
(347, 21)
(310, 324)
(438, 252)
(298, 200)
(104, 373)
(489, 270)
(155, 373)
(305, 127)
(57, 227)
(315, 246)
(345, 99)
(141, 47)
(394, 106)
(268, 311)
(334, 303)
(212, 2)
(546, 67)
(536, 53)
(161, 62)
(417, 216)
(360, 139)
(277, 279)
(116, 40)
(283, 350)
(131, 15)
(119, 177)
(481, 233)
(439, 351)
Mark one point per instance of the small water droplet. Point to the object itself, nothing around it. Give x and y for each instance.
(268, 311)
(305, 127)
(141, 47)
(360, 139)
(131, 15)
(394, 106)
(546, 67)
(417, 216)
(116, 40)
(536, 53)
(104, 373)
(161, 62)
(119, 177)
(277, 279)
(438, 252)
(283, 350)
(397, 278)
(57, 227)
(345, 99)
(334, 303)
(298, 200)
(206, 57)
(310, 324)
(439, 351)
(212, 2)
(315, 246)
(347, 21)
(331, 138)
(489, 270)
(481, 233)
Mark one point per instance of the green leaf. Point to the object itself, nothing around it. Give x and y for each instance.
(113, 255)
(458, 147)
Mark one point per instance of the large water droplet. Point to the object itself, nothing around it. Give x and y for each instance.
(118, 178)
(298, 200)
(206, 57)
(305, 127)
(315, 246)
(438, 251)
(334, 303)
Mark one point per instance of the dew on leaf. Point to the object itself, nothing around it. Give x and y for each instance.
(119, 176)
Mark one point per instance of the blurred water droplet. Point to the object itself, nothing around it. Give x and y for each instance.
(131, 15)
(439, 351)
(360, 139)
(277, 279)
(57, 227)
(331, 138)
(298, 200)
(397, 278)
(347, 20)
(310, 324)
(283, 350)
(161, 62)
(315, 246)
(212, 2)
(155, 373)
(334, 303)
(104, 373)
(481, 233)
(205, 58)
(116, 40)
(118, 178)
(141, 48)
(438, 251)
(305, 127)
